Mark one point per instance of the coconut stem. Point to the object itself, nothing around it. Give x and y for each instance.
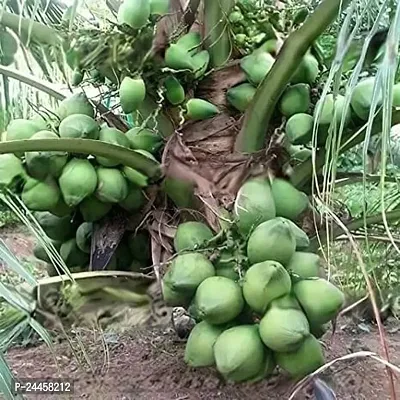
(252, 136)
(217, 36)
(127, 157)
(28, 30)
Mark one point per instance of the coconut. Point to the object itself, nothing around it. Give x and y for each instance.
(11, 170)
(56, 228)
(299, 128)
(272, 240)
(78, 181)
(283, 329)
(191, 235)
(40, 195)
(40, 252)
(302, 240)
(218, 300)
(305, 265)
(305, 360)
(320, 299)
(92, 209)
(254, 204)
(112, 136)
(256, 66)
(295, 99)
(134, 200)
(173, 298)
(79, 126)
(84, 237)
(199, 350)
(42, 163)
(361, 99)
(332, 107)
(264, 282)
(289, 202)
(239, 353)
(75, 104)
(187, 271)
(72, 255)
(112, 187)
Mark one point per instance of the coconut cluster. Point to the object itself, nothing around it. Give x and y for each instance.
(68, 193)
(257, 294)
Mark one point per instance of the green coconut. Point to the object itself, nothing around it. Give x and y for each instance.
(240, 96)
(273, 240)
(92, 209)
(191, 235)
(187, 271)
(134, 13)
(56, 228)
(190, 42)
(72, 255)
(305, 360)
(320, 299)
(11, 170)
(332, 108)
(256, 66)
(200, 63)
(174, 91)
(84, 237)
(131, 94)
(218, 300)
(78, 181)
(239, 353)
(40, 164)
(199, 350)
(61, 209)
(295, 99)
(199, 109)
(361, 99)
(307, 71)
(112, 187)
(134, 200)
(113, 136)
(174, 298)
(254, 204)
(40, 252)
(135, 177)
(302, 240)
(178, 58)
(79, 126)
(263, 283)
(300, 153)
(76, 104)
(20, 129)
(299, 128)
(144, 139)
(283, 329)
(40, 195)
(289, 202)
(305, 265)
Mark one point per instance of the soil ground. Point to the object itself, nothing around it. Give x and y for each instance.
(148, 365)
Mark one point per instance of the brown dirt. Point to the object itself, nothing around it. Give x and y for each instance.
(149, 365)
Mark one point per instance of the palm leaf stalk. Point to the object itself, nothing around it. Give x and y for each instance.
(257, 117)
